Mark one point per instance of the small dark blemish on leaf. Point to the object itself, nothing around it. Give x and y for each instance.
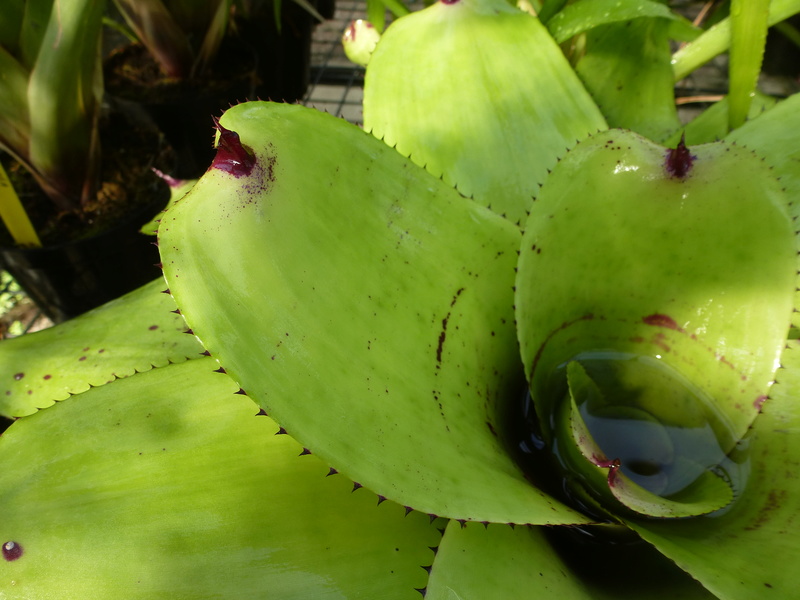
(12, 551)
(18, 376)
(48, 376)
(153, 327)
(660, 320)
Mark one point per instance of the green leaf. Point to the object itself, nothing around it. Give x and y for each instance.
(748, 39)
(712, 124)
(696, 274)
(14, 118)
(650, 468)
(33, 29)
(66, 90)
(177, 190)
(376, 15)
(626, 68)
(717, 39)
(125, 336)
(499, 562)
(490, 118)
(596, 563)
(341, 296)
(165, 485)
(721, 551)
(11, 24)
(773, 136)
(585, 15)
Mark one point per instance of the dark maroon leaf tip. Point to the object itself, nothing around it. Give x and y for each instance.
(679, 160)
(232, 156)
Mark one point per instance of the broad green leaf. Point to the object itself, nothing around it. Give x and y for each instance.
(585, 15)
(773, 136)
(748, 39)
(627, 70)
(747, 551)
(696, 274)
(133, 333)
(490, 118)
(365, 305)
(166, 485)
(476, 563)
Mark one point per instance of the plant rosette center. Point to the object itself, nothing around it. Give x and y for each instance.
(387, 322)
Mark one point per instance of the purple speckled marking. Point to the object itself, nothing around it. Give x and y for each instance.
(659, 320)
(232, 157)
(12, 551)
(679, 160)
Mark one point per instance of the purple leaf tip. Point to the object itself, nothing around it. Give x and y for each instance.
(679, 160)
(232, 156)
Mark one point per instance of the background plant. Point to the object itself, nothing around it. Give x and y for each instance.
(51, 90)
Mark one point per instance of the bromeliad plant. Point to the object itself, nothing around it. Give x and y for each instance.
(50, 95)
(555, 325)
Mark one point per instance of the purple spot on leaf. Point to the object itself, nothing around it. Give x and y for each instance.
(12, 551)
(659, 320)
(18, 376)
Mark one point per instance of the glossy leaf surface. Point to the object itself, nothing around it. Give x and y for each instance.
(166, 485)
(580, 17)
(490, 118)
(343, 299)
(697, 272)
(626, 68)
